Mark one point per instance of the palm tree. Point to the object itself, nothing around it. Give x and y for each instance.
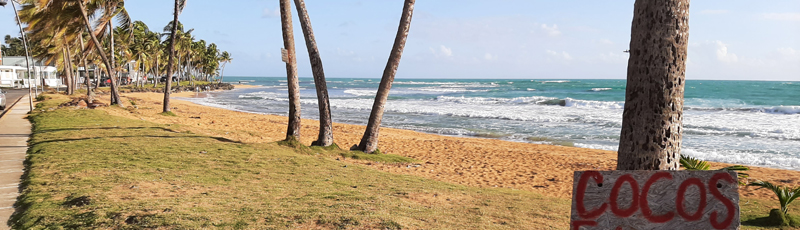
(785, 195)
(225, 58)
(111, 6)
(652, 121)
(179, 4)
(293, 129)
(325, 124)
(369, 142)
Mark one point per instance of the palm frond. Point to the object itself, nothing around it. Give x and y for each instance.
(691, 163)
(785, 195)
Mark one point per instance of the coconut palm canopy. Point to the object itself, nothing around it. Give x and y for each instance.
(56, 26)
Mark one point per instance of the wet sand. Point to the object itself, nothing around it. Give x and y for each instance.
(544, 169)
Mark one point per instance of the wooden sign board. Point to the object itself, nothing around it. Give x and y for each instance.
(655, 200)
(284, 55)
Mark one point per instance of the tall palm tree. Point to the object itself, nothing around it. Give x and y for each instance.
(369, 142)
(179, 5)
(111, 6)
(293, 129)
(652, 122)
(325, 124)
(225, 58)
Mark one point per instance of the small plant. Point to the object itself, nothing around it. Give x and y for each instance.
(694, 164)
(41, 97)
(785, 194)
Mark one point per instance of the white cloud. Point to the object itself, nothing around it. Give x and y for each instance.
(563, 55)
(614, 57)
(271, 13)
(782, 16)
(788, 52)
(443, 51)
(723, 55)
(551, 30)
(489, 57)
(604, 42)
(714, 12)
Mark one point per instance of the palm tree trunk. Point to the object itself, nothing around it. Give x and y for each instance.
(67, 70)
(168, 87)
(325, 124)
(157, 77)
(293, 129)
(86, 72)
(652, 121)
(222, 74)
(98, 46)
(113, 56)
(369, 142)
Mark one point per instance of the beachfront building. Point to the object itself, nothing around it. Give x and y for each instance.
(14, 73)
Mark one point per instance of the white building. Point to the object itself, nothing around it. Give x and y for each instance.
(14, 74)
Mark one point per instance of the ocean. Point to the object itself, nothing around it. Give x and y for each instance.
(743, 122)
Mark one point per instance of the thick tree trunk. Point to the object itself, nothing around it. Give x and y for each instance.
(325, 124)
(98, 46)
(67, 70)
(293, 129)
(369, 142)
(171, 61)
(652, 122)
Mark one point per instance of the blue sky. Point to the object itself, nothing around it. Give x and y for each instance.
(729, 39)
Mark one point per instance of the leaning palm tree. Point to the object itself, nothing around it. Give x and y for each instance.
(785, 195)
(652, 121)
(293, 129)
(369, 142)
(325, 124)
(109, 6)
(225, 58)
(179, 5)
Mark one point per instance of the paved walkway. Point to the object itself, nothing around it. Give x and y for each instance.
(14, 132)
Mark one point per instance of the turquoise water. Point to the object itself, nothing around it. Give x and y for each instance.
(744, 122)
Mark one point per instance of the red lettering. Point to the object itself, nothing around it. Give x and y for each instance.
(645, 206)
(681, 198)
(580, 194)
(576, 225)
(712, 185)
(615, 195)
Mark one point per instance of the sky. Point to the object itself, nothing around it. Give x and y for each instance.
(502, 39)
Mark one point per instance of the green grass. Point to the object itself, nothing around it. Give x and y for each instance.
(88, 169)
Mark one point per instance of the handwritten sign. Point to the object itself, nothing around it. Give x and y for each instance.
(655, 200)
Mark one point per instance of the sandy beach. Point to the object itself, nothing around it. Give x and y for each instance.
(544, 169)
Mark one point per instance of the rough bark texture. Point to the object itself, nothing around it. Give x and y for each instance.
(171, 59)
(325, 124)
(293, 129)
(369, 142)
(653, 118)
(98, 46)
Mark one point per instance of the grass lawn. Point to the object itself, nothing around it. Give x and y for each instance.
(88, 169)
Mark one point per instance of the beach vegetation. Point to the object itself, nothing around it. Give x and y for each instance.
(144, 175)
(369, 142)
(785, 195)
(691, 163)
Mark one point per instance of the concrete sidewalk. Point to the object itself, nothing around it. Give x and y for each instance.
(15, 130)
